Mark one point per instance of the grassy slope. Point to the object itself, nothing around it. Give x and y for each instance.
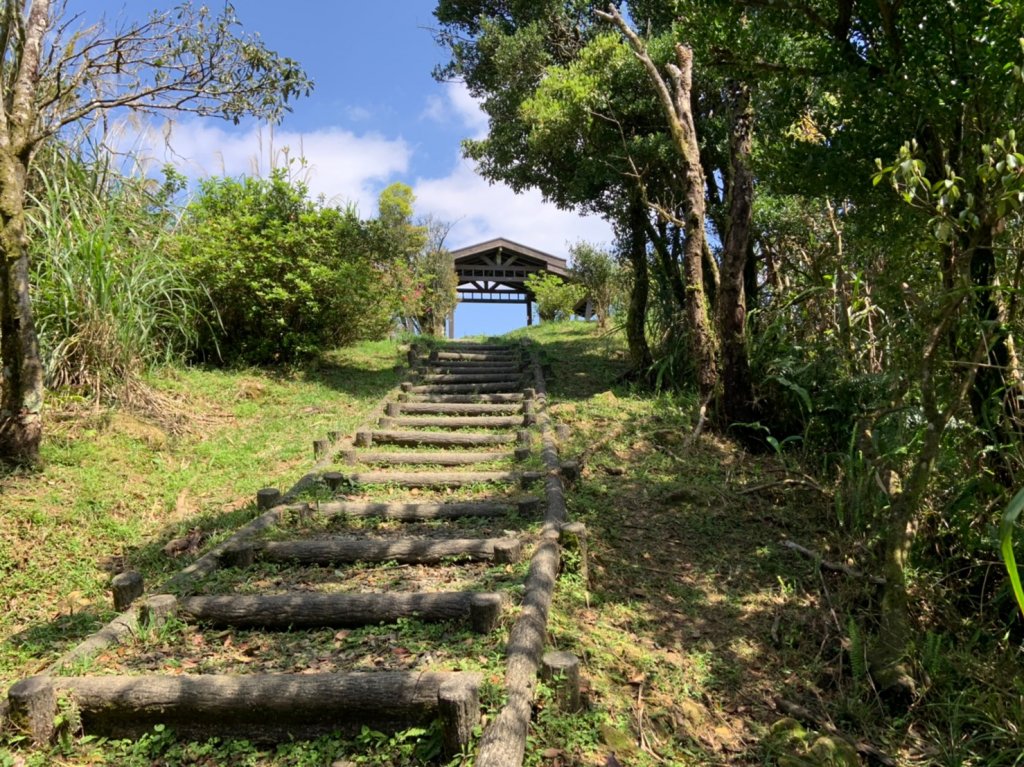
(695, 623)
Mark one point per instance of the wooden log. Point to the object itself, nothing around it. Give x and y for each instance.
(523, 453)
(435, 457)
(271, 707)
(574, 538)
(458, 703)
(405, 550)
(32, 705)
(393, 409)
(312, 610)
(455, 422)
(320, 448)
(412, 512)
(464, 388)
(126, 588)
(474, 357)
(437, 478)
(457, 408)
(464, 378)
(513, 369)
(333, 479)
(267, 498)
(364, 438)
(561, 670)
(240, 554)
(464, 398)
(446, 439)
(570, 471)
(485, 612)
(156, 610)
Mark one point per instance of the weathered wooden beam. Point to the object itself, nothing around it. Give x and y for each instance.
(434, 457)
(465, 378)
(514, 396)
(447, 439)
(483, 356)
(453, 408)
(412, 512)
(404, 550)
(313, 610)
(457, 422)
(276, 707)
(463, 388)
(435, 478)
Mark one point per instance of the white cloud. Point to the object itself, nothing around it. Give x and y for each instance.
(341, 165)
(456, 105)
(483, 211)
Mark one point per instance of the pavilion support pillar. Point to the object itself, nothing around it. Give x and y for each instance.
(451, 324)
(529, 312)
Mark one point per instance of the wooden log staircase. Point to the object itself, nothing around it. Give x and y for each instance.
(464, 457)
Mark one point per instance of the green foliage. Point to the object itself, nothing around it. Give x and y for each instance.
(556, 299)
(1009, 522)
(110, 304)
(287, 275)
(600, 276)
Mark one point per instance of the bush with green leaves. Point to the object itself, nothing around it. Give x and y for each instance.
(556, 299)
(599, 274)
(287, 274)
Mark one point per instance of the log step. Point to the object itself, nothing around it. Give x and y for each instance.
(440, 478)
(328, 551)
(491, 398)
(457, 408)
(431, 457)
(442, 438)
(474, 367)
(269, 708)
(303, 610)
(418, 511)
(491, 356)
(464, 378)
(463, 388)
(457, 422)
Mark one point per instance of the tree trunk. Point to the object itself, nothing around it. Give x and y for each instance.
(737, 394)
(22, 399)
(636, 315)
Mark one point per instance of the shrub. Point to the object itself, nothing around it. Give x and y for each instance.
(288, 275)
(556, 299)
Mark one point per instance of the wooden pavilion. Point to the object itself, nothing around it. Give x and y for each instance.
(495, 272)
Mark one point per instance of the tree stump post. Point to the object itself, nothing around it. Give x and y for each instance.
(126, 587)
(458, 703)
(364, 438)
(333, 479)
(507, 551)
(320, 448)
(574, 538)
(561, 670)
(528, 507)
(155, 611)
(485, 612)
(393, 409)
(267, 498)
(570, 471)
(529, 394)
(33, 703)
(240, 554)
(523, 453)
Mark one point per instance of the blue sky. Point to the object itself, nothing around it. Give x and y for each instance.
(375, 117)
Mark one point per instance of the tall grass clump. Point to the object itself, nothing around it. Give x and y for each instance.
(111, 302)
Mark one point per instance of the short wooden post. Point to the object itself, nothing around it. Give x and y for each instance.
(407, 385)
(413, 356)
(522, 453)
(528, 507)
(529, 394)
(507, 551)
(393, 409)
(126, 587)
(333, 479)
(320, 448)
(529, 419)
(570, 471)
(238, 554)
(561, 670)
(402, 397)
(574, 538)
(364, 438)
(523, 437)
(484, 612)
(529, 406)
(157, 609)
(458, 703)
(386, 423)
(33, 704)
(267, 498)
